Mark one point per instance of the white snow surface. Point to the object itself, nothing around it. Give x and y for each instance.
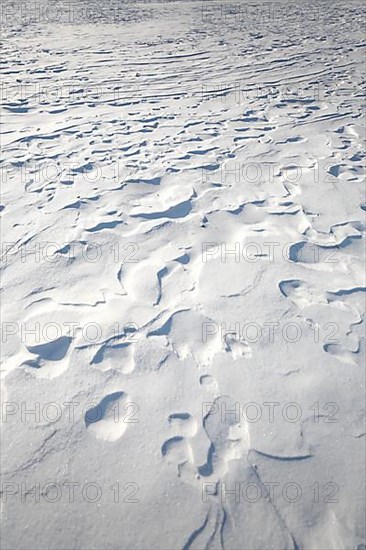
(183, 288)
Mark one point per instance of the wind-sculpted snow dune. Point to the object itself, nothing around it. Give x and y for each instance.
(183, 280)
